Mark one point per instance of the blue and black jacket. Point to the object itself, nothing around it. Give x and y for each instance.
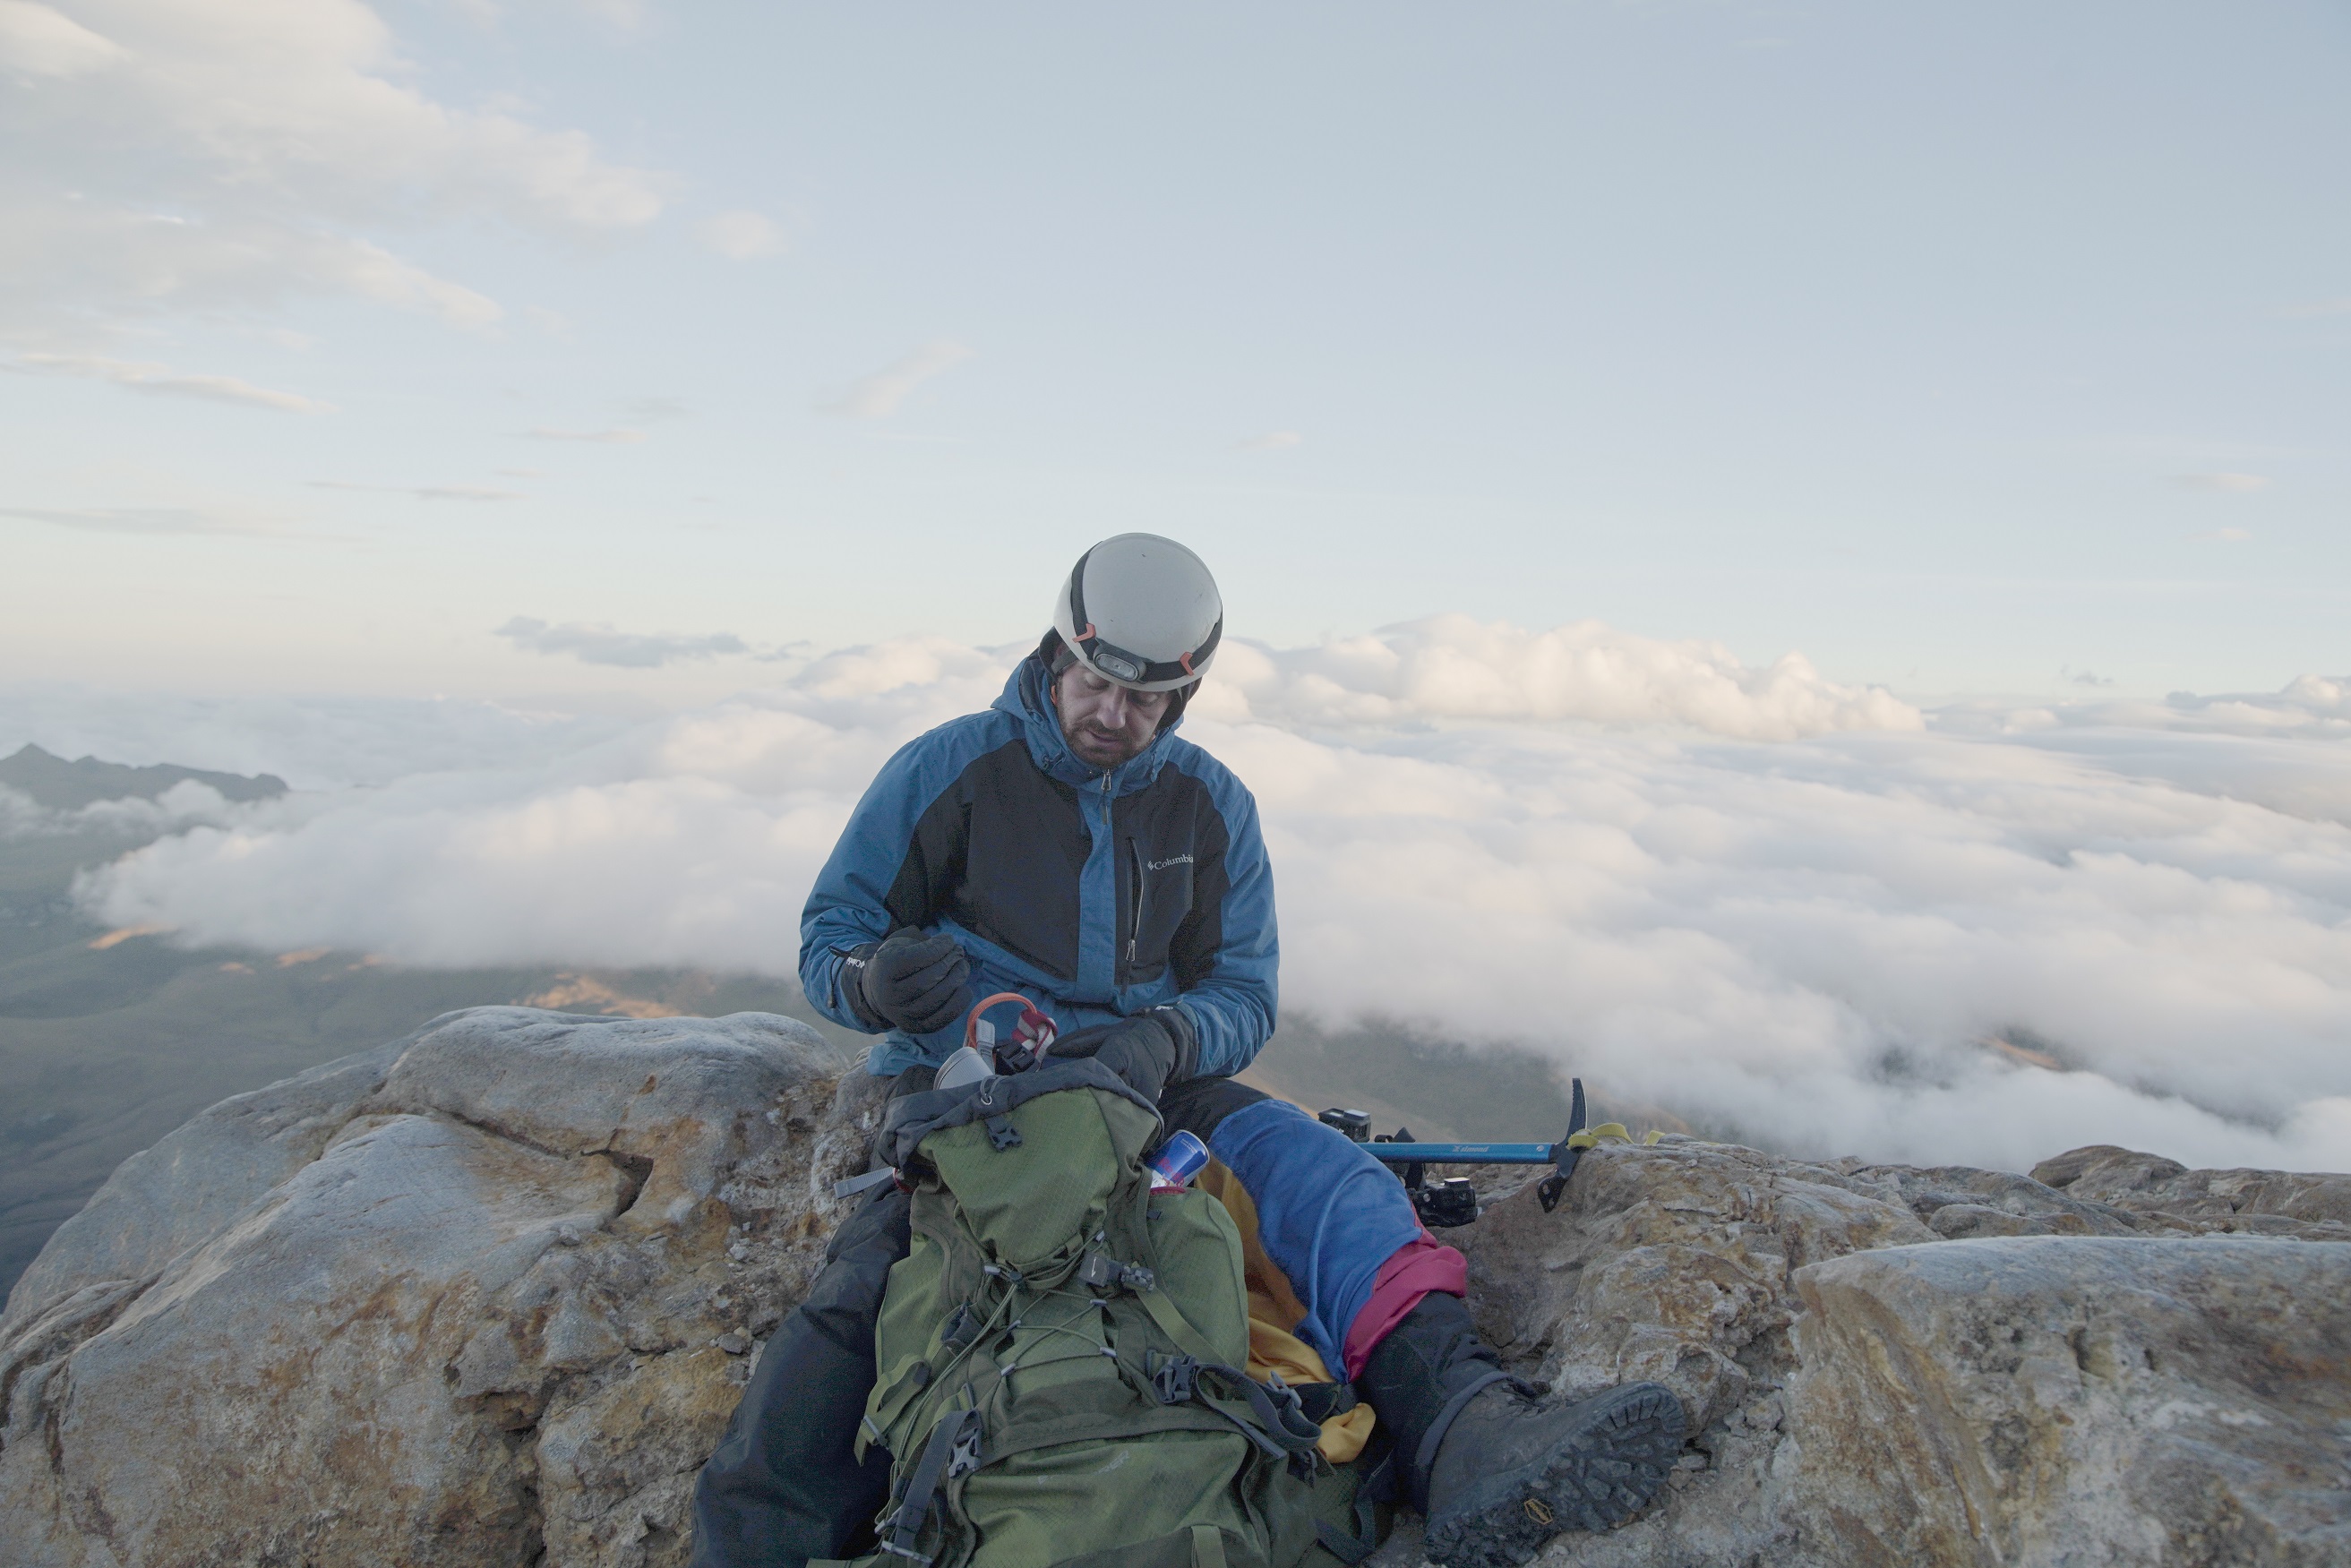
(1094, 895)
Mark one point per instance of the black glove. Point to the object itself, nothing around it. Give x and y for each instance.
(1150, 1050)
(913, 981)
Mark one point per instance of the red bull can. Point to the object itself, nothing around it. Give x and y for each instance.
(1179, 1159)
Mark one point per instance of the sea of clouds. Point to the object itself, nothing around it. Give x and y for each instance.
(1807, 915)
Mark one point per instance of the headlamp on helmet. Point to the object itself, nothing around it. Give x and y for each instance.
(1141, 610)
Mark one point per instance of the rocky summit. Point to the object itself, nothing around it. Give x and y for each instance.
(485, 1296)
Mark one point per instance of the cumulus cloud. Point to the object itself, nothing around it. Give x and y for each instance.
(2307, 706)
(1813, 943)
(877, 396)
(206, 155)
(600, 644)
(152, 378)
(1761, 901)
(185, 804)
(2234, 484)
(315, 743)
(1453, 667)
(741, 235)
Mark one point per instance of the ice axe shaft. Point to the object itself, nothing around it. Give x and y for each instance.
(1462, 1154)
(1403, 1150)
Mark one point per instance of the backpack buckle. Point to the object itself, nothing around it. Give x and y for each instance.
(952, 1451)
(1289, 1408)
(964, 1457)
(962, 1327)
(1177, 1380)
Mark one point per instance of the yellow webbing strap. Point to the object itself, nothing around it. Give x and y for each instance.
(1610, 1132)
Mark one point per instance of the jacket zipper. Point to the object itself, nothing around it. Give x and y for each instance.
(1135, 931)
(1109, 822)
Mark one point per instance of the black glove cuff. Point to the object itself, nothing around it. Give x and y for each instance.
(1178, 1025)
(850, 987)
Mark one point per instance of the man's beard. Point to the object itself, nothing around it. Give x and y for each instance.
(1104, 750)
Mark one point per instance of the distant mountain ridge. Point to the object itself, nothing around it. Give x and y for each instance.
(63, 786)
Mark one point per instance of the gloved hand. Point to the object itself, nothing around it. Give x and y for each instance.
(916, 982)
(1150, 1050)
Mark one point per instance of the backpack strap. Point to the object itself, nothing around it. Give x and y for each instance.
(1172, 1321)
(1321, 1401)
(866, 1182)
(952, 1451)
(1279, 1427)
(1377, 1485)
(911, 1118)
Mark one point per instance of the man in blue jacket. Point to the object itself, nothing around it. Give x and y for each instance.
(1065, 844)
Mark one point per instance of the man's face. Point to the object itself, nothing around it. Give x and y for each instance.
(1104, 723)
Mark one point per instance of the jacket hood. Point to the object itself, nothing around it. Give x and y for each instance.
(1027, 696)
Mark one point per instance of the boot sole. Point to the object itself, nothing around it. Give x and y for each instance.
(1604, 1473)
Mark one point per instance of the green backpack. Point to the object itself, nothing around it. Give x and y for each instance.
(1060, 1354)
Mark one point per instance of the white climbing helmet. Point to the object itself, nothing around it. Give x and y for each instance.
(1141, 610)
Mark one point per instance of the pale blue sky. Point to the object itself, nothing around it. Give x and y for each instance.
(1962, 347)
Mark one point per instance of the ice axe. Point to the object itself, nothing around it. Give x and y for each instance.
(1453, 1201)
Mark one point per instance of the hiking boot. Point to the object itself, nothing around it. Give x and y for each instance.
(1511, 1472)
(1496, 1471)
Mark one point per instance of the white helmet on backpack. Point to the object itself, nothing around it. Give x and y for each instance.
(1141, 610)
